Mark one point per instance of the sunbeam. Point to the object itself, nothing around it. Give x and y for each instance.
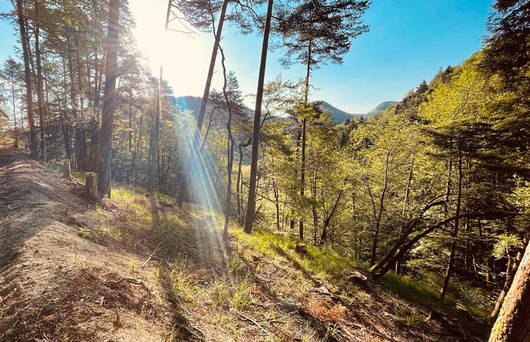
(197, 168)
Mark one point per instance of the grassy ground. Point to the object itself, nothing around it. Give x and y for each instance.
(233, 280)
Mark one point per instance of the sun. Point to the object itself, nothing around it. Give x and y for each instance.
(184, 57)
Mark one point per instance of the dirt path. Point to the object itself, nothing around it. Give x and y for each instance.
(56, 285)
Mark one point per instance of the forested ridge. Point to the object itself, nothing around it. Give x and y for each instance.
(426, 199)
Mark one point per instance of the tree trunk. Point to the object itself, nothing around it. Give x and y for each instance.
(454, 234)
(276, 193)
(13, 101)
(513, 322)
(302, 177)
(229, 147)
(304, 139)
(154, 147)
(327, 221)
(379, 215)
(109, 99)
(130, 117)
(27, 77)
(91, 185)
(239, 185)
(40, 91)
(249, 215)
(67, 170)
(511, 268)
(405, 205)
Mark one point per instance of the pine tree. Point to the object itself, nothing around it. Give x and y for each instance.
(316, 32)
(109, 101)
(251, 202)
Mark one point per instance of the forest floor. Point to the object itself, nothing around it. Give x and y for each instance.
(137, 268)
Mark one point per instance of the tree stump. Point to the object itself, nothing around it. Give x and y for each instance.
(91, 185)
(301, 249)
(67, 170)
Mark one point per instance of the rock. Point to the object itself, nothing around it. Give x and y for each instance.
(357, 278)
(301, 249)
(434, 315)
(323, 290)
(463, 312)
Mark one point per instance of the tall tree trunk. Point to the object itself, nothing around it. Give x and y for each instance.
(405, 205)
(27, 77)
(40, 91)
(205, 95)
(138, 149)
(304, 138)
(379, 214)
(276, 192)
(513, 322)
(239, 185)
(130, 117)
(327, 221)
(454, 234)
(511, 268)
(109, 100)
(229, 147)
(314, 205)
(13, 102)
(302, 176)
(249, 215)
(354, 220)
(154, 145)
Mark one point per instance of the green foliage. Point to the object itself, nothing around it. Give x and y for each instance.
(506, 243)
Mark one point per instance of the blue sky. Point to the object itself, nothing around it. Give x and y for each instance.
(409, 41)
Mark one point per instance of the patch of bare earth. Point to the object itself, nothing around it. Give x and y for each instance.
(56, 285)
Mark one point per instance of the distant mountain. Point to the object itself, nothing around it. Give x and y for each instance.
(193, 103)
(341, 116)
(338, 114)
(380, 108)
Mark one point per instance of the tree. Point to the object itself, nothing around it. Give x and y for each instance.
(317, 32)
(40, 85)
(24, 38)
(513, 322)
(109, 100)
(251, 202)
(11, 74)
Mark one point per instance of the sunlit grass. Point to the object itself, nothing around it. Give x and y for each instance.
(322, 263)
(327, 264)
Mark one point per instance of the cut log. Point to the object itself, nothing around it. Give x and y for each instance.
(91, 185)
(67, 170)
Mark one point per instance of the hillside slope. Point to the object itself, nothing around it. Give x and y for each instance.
(140, 269)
